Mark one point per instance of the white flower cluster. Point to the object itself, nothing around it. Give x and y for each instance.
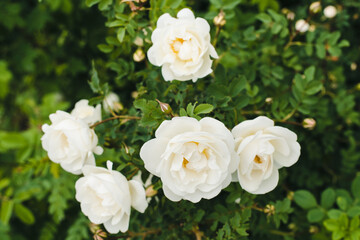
(196, 159)
(106, 196)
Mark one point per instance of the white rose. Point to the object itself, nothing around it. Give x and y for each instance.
(87, 113)
(106, 196)
(194, 159)
(112, 102)
(302, 25)
(70, 142)
(182, 47)
(263, 148)
(330, 11)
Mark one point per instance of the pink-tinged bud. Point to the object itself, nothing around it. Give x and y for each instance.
(150, 191)
(309, 123)
(165, 108)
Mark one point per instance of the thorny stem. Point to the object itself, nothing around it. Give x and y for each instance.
(115, 117)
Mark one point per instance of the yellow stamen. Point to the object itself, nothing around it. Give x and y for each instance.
(257, 159)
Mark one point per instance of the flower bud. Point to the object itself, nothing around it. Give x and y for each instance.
(330, 11)
(150, 191)
(219, 20)
(165, 108)
(139, 42)
(111, 102)
(269, 209)
(134, 94)
(302, 25)
(309, 123)
(290, 15)
(353, 66)
(313, 229)
(315, 7)
(99, 235)
(290, 195)
(268, 100)
(312, 28)
(139, 55)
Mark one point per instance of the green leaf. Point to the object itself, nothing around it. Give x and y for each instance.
(5, 77)
(104, 4)
(331, 225)
(203, 108)
(354, 223)
(354, 211)
(24, 214)
(310, 73)
(95, 81)
(355, 187)
(120, 34)
(315, 215)
(305, 199)
(264, 18)
(175, 3)
(105, 48)
(90, 3)
(334, 213)
(320, 50)
(190, 109)
(342, 203)
(328, 198)
(237, 85)
(6, 210)
(183, 112)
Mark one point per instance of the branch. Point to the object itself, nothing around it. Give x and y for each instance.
(115, 117)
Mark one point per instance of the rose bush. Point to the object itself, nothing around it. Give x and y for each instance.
(106, 197)
(70, 142)
(194, 159)
(182, 47)
(263, 149)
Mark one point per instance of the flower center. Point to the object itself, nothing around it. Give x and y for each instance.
(185, 162)
(176, 45)
(257, 159)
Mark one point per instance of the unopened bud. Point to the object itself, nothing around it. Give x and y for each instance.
(302, 25)
(353, 66)
(268, 100)
(139, 55)
(94, 227)
(330, 11)
(134, 94)
(290, 15)
(219, 20)
(111, 102)
(309, 123)
(313, 229)
(165, 108)
(139, 42)
(312, 28)
(100, 235)
(150, 191)
(357, 86)
(292, 226)
(269, 209)
(290, 195)
(315, 7)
